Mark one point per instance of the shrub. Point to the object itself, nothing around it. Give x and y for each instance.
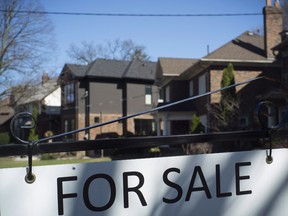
(4, 138)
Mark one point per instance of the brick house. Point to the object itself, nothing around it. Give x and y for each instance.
(251, 55)
(106, 90)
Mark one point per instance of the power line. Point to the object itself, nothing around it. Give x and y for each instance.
(132, 14)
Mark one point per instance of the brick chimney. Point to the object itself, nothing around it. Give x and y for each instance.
(268, 2)
(45, 78)
(273, 25)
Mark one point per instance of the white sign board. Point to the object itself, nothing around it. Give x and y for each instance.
(214, 184)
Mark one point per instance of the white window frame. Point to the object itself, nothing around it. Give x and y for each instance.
(148, 95)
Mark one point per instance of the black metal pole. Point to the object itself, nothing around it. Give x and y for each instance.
(87, 114)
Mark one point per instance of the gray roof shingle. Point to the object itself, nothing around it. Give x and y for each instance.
(107, 68)
(116, 69)
(77, 70)
(175, 66)
(35, 93)
(140, 70)
(246, 47)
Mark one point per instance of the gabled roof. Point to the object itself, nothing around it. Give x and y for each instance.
(246, 47)
(35, 93)
(174, 66)
(170, 68)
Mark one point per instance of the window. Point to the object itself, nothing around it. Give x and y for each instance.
(69, 92)
(96, 119)
(69, 125)
(145, 127)
(160, 96)
(202, 84)
(167, 94)
(191, 88)
(148, 95)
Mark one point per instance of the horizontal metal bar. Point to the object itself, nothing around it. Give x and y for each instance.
(133, 142)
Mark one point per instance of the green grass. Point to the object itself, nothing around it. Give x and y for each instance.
(6, 162)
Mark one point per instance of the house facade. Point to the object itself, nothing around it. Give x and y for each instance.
(175, 119)
(106, 90)
(6, 114)
(251, 56)
(43, 101)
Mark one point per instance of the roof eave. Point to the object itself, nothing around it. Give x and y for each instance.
(195, 69)
(238, 60)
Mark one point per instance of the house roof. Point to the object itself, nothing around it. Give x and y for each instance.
(174, 66)
(140, 70)
(106, 68)
(77, 70)
(37, 92)
(170, 68)
(246, 47)
(116, 69)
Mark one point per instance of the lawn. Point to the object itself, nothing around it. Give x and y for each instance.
(8, 162)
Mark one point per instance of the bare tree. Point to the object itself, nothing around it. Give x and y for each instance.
(116, 49)
(25, 37)
(126, 50)
(85, 53)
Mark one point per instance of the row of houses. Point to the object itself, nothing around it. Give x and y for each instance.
(105, 90)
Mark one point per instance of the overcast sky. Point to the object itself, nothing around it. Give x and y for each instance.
(179, 37)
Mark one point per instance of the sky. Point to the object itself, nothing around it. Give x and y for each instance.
(177, 37)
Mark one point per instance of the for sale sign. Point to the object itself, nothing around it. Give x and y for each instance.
(214, 184)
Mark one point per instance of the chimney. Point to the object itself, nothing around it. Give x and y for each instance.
(268, 2)
(273, 25)
(45, 78)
